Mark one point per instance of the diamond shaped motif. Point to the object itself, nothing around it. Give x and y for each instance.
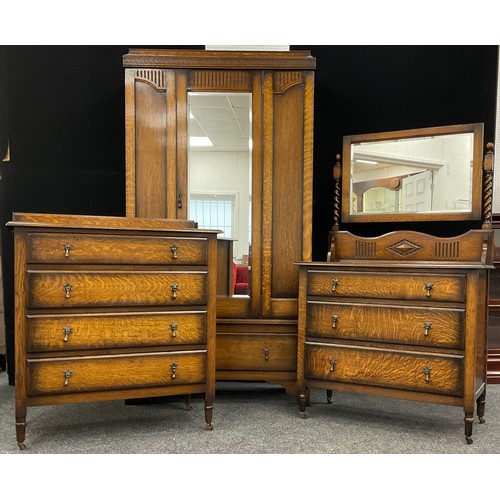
(404, 248)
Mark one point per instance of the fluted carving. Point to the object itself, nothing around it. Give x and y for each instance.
(286, 79)
(155, 77)
(220, 80)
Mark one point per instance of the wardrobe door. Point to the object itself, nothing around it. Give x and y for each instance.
(155, 143)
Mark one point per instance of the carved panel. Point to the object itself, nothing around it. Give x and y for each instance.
(220, 80)
(155, 77)
(404, 248)
(286, 79)
(366, 250)
(447, 251)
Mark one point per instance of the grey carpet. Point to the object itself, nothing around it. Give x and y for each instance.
(250, 418)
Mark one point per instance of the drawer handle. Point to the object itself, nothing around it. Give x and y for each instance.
(67, 248)
(335, 318)
(266, 351)
(427, 373)
(427, 327)
(335, 283)
(67, 375)
(174, 289)
(173, 367)
(428, 288)
(332, 364)
(67, 288)
(173, 328)
(67, 330)
(174, 249)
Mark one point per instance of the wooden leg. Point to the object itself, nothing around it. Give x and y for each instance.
(20, 424)
(469, 420)
(308, 396)
(209, 409)
(187, 400)
(329, 394)
(303, 402)
(21, 432)
(481, 403)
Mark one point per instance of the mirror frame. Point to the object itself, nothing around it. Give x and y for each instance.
(477, 169)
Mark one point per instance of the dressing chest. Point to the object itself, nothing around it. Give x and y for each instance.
(402, 314)
(112, 308)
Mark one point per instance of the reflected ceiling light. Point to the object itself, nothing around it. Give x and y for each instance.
(199, 142)
(366, 161)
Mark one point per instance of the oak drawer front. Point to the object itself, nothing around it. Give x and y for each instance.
(81, 289)
(256, 352)
(101, 331)
(414, 286)
(407, 325)
(68, 248)
(103, 373)
(442, 374)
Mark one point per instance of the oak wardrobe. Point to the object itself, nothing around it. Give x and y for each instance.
(257, 110)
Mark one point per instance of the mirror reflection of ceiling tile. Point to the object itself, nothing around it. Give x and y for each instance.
(224, 118)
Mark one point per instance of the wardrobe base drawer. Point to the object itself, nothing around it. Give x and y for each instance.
(256, 352)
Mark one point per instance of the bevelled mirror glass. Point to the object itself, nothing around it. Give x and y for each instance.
(220, 173)
(419, 174)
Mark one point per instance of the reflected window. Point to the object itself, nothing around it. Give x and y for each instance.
(213, 212)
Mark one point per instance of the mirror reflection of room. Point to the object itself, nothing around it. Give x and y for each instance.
(220, 176)
(428, 174)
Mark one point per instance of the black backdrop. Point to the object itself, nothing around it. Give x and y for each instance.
(62, 109)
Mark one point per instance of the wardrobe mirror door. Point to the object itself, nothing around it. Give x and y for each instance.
(220, 174)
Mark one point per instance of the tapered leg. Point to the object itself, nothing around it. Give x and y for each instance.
(303, 402)
(481, 402)
(20, 423)
(209, 409)
(329, 394)
(469, 420)
(187, 400)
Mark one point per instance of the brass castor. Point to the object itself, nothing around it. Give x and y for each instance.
(209, 427)
(22, 446)
(469, 440)
(482, 420)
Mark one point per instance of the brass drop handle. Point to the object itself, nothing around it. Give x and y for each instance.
(67, 288)
(179, 200)
(427, 373)
(67, 248)
(335, 284)
(428, 288)
(173, 328)
(67, 330)
(67, 375)
(427, 327)
(332, 364)
(266, 351)
(174, 287)
(173, 367)
(335, 318)
(174, 249)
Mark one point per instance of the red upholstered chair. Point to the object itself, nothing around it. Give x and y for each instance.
(240, 279)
